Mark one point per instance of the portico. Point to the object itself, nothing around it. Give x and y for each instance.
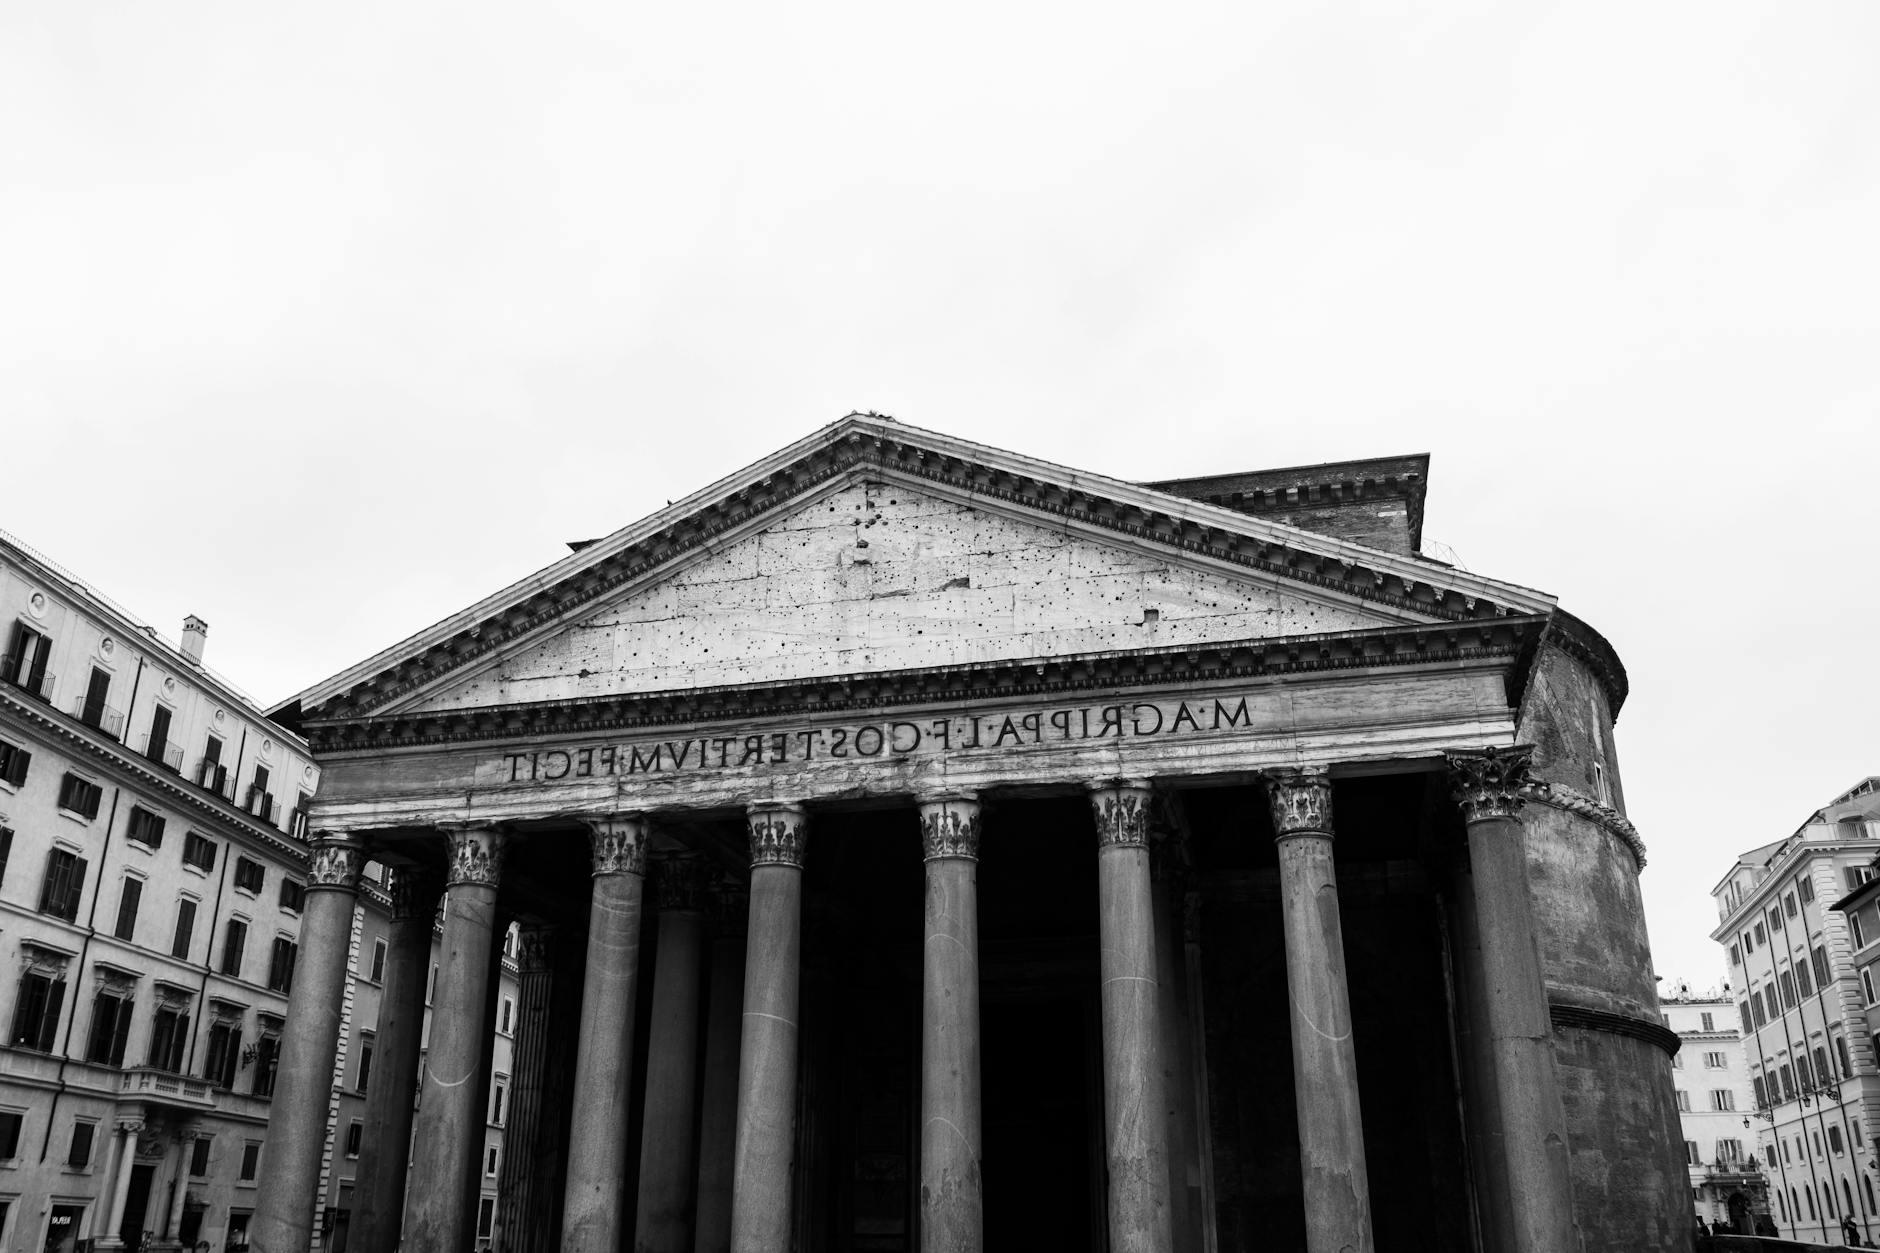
(1158, 884)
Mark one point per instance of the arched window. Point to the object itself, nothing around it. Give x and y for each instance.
(1847, 1194)
(1827, 1198)
(1813, 1214)
(1867, 1183)
(1783, 1206)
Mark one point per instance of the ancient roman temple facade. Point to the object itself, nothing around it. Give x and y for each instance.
(918, 846)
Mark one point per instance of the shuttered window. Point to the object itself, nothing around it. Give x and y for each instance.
(65, 883)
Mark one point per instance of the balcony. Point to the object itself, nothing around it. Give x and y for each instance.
(19, 673)
(151, 1084)
(263, 806)
(99, 715)
(212, 776)
(164, 753)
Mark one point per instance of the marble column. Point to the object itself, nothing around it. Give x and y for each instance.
(1325, 1064)
(761, 1211)
(296, 1138)
(186, 1137)
(127, 1132)
(663, 1218)
(594, 1207)
(447, 1153)
(1529, 1205)
(952, 1199)
(1168, 871)
(522, 1217)
(378, 1207)
(1136, 1123)
(718, 1100)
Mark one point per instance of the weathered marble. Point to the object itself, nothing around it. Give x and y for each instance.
(718, 1098)
(663, 1216)
(952, 1189)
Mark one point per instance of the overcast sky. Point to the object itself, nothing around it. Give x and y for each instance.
(323, 321)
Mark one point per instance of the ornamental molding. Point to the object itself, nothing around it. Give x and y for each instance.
(1301, 801)
(414, 892)
(1586, 1018)
(473, 856)
(334, 862)
(1121, 808)
(873, 447)
(1561, 797)
(1489, 782)
(949, 827)
(779, 835)
(679, 882)
(1507, 641)
(618, 844)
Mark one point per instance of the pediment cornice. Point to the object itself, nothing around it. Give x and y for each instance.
(1509, 642)
(869, 445)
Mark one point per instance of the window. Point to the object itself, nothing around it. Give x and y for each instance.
(1729, 1150)
(1722, 1099)
(1749, 946)
(1805, 888)
(169, 1039)
(1854, 876)
(80, 796)
(430, 988)
(36, 1016)
(199, 1157)
(365, 1064)
(378, 961)
(1801, 980)
(1715, 1061)
(251, 1156)
(1834, 1139)
(6, 850)
(1600, 786)
(1762, 1093)
(489, 1161)
(1818, 958)
(1762, 934)
(1823, 1074)
(498, 1095)
(13, 763)
(1749, 1024)
(507, 1016)
(1756, 1004)
(225, 1054)
(65, 883)
(1788, 1083)
(1866, 985)
(128, 898)
(79, 1156)
(1847, 1066)
(185, 925)
(1788, 904)
(1769, 999)
(1853, 924)
(293, 895)
(25, 662)
(1691, 1155)
(110, 1027)
(1775, 921)
(211, 773)
(234, 939)
(146, 828)
(198, 852)
(486, 1217)
(1736, 954)
(267, 1057)
(10, 1124)
(249, 875)
(157, 746)
(260, 800)
(1684, 1101)
(281, 966)
(354, 1134)
(1709, 1020)
(297, 820)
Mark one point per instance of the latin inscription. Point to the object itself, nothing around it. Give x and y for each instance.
(885, 739)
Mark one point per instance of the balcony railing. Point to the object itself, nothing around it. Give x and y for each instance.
(163, 1085)
(263, 806)
(21, 676)
(165, 753)
(99, 715)
(213, 776)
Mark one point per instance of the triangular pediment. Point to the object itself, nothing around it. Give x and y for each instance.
(872, 546)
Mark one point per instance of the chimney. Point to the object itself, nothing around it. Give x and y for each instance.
(195, 635)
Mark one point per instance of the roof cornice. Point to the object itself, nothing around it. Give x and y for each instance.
(862, 444)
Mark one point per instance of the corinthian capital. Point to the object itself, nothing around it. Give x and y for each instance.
(473, 856)
(679, 881)
(1488, 782)
(949, 827)
(618, 842)
(779, 834)
(1301, 798)
(1121, 808)
(414, 892)
(334, 861)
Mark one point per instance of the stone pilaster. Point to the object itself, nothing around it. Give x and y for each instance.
(1136, 1131)
(290, 1175)
(1524, 1174)
(761, 1211)
(594, 1210)
(952, 1199)
(1325, 1063)
(663, 1218)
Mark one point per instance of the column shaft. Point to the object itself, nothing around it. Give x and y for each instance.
(296, 1138)
(179, 1195)
(522, 1221)
(385, 1142)
(1325, 1063)
(449, 1137)
(761, 1210)
(1135, 1116)
(952, 1195)
(594, 1210)
(1184, 1176)
(718, 1102)
(121, 1183)
(1531, 1205)
(663, 1218)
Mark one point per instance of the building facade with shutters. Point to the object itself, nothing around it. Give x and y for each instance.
(1807, 1039)
(1714, 1103)
(152, 874)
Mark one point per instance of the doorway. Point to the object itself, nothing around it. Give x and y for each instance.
(1037, 1162)
(137, 1200)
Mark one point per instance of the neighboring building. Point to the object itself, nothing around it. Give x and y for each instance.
(152, 878)
(1807, 1038)
(1390, 926)
(1714, 1102)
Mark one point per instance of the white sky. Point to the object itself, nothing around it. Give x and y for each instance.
(325, 321)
